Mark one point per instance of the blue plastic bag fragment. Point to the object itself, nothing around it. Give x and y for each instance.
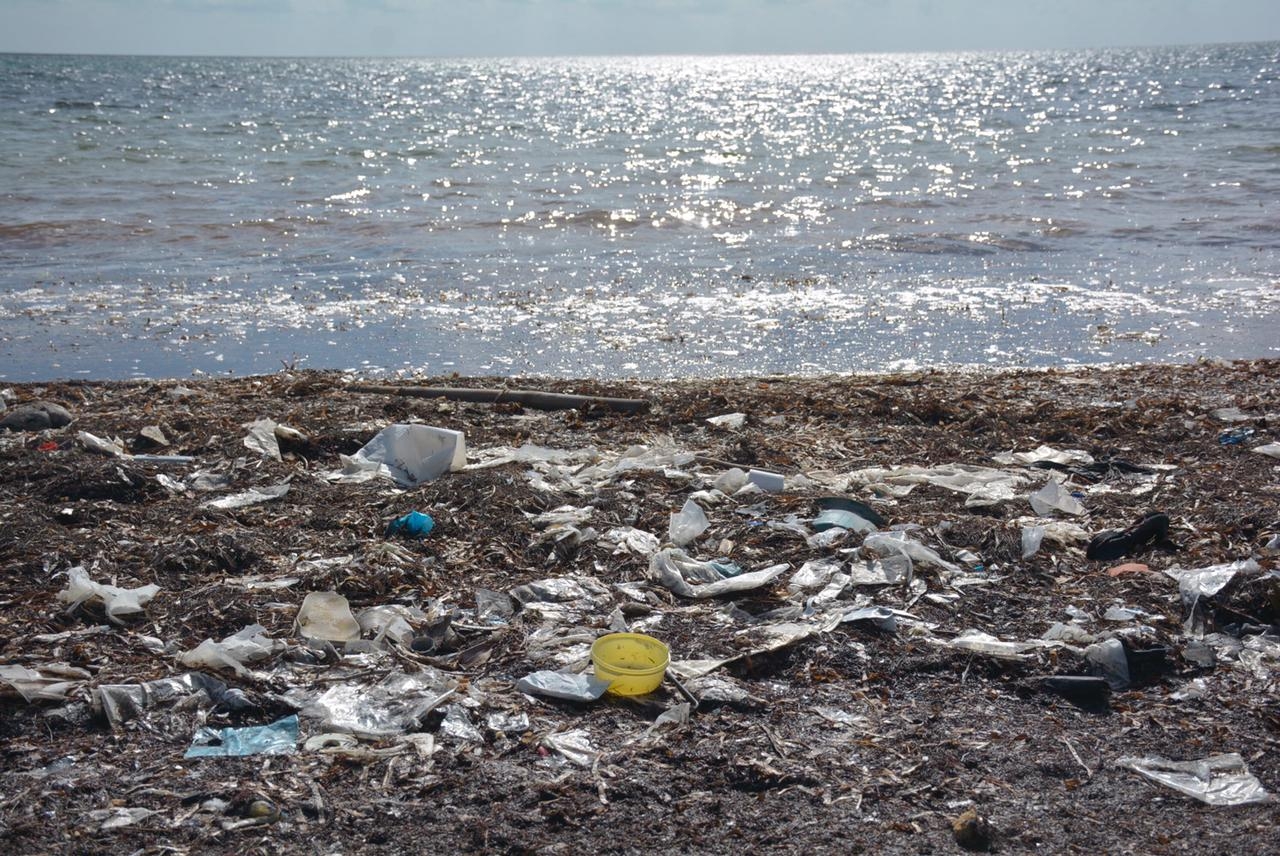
(1235, 436)
(278, 738)
(415, 524)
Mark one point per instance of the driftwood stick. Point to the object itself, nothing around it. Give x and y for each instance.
(528, 397)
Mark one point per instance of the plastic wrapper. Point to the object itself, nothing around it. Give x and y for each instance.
(457, 725)
(1042, 454)
(688, 524)
(1219, 780)
(123, 702)
(278, 738)
(51, 682)
(877, 572)
(115, 600)
(689, 577)
(1199, 583)
(882, 617)
(396, 704)
(982, 486)
(252, 496)
(93, 443)
(557, 590)
(572, 746)
(563, 685)
(984, 643)
(407, 454)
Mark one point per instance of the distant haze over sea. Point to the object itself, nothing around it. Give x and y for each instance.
(651, 217)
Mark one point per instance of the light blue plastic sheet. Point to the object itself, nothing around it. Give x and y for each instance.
(278, 738)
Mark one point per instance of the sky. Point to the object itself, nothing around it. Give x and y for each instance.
(594, 27)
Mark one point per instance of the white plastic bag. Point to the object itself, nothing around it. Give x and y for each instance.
(688, 524)
(115, 600)
(407, 454)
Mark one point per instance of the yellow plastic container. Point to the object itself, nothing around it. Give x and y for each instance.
(633, 663)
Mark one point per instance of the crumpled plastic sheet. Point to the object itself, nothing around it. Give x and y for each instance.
(1269, 449)
(573, 478)
(396, 704)
(48, 682)
(530, 453)
(1260, 655)
(687, 524)
(1218, 780)
(561, 600)
(118, 818)
(252, 496)
(628, 539)
(573, 746)
(1053, 497)
(728, 420)
(562, 515)
(1061, 532)
(898, 543)
(392, 621)
(982, 486)
(503, 722)
(563, 644)
(689, 577)
(262, 439)
(458, 726)
(673, 716)
(559, 590)
(890, 570)
(94, 443)
(563, 685)
(249, 645)
(407, 454)
(882, 617)
(1044, 453)
(278, 738)
(813, 575)
(115, 600)
(1200, 583)
(123, 702)
(979, 642)
(760, 639)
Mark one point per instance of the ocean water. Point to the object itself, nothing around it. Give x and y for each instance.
(637, 217)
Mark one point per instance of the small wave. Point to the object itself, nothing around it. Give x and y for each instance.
(946, 244)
